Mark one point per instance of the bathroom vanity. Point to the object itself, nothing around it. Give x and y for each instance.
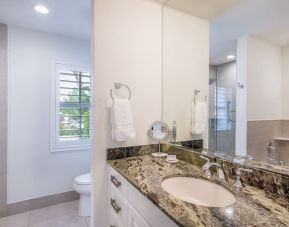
(130, 208)
(137, 197)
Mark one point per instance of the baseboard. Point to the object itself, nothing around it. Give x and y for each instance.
(37, 203)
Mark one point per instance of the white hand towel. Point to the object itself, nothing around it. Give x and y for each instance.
(121, 120)
(199, 118)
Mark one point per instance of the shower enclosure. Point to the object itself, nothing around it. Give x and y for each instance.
(222, 109)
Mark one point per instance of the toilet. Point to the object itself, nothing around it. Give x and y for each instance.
(82, 185)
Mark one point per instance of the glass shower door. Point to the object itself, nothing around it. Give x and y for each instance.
(222, 123)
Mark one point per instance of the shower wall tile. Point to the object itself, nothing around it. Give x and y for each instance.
(283, 146)
(285, 128)
(259, 133)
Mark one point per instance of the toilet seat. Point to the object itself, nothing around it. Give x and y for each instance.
(84, 179)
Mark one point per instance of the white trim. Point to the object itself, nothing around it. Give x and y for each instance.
(55, 144)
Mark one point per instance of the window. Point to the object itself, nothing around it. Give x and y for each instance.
(71, 108)
(222, 108)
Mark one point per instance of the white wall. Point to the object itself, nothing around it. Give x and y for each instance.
(186, 67)
(241, 98)
(285, 84)
(32, 170)
(127, 48)
(264, 80)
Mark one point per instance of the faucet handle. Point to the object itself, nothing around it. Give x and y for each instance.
(239, 171)
(221, 174)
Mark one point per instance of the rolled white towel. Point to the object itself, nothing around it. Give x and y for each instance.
(121, 120)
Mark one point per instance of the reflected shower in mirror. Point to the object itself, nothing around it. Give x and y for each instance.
(222, 107)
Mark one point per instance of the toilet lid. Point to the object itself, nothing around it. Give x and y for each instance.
(83, 179)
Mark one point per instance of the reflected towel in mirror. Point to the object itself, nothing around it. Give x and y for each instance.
(199, 118)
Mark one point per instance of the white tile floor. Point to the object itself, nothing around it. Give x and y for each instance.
(61, 215)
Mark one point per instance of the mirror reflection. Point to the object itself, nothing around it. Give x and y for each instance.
(241, 80)
(159, 131)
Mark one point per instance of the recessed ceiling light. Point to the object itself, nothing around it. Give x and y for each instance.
(230, 57)
(41, 9)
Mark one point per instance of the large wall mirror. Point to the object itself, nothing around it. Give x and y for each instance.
(225, 77)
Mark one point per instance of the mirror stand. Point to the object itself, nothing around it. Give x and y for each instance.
(159, 132)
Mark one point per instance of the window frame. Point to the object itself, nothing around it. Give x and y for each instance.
(55, 144)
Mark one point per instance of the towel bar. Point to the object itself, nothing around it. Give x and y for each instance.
(196, 92)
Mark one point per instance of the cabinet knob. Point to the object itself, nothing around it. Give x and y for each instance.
(115, 181)
(115, 206)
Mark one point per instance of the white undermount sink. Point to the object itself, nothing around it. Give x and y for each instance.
(198, 191)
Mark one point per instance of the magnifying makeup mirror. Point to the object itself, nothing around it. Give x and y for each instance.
(159, 132)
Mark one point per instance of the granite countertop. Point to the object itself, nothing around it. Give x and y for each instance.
(252, 208)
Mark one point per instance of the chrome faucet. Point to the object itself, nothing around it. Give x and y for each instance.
(239, 171)
(207, 166)
(248, 158)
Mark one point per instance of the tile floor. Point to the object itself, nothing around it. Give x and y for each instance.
(61, 215)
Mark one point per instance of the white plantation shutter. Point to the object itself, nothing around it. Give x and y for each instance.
(72, 107)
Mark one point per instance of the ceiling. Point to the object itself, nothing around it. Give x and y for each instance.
(66, 17)
(229, 19)
(267, 17)
(277, 38)
(206, 9)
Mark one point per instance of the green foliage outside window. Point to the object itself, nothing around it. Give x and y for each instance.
(75, 117)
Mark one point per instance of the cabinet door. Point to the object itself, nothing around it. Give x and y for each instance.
(135, 219)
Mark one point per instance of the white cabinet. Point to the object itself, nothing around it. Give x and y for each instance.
(130, 208)
(135, 219)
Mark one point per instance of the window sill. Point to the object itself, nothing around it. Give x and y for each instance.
(70, 149)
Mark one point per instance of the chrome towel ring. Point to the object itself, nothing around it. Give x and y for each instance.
(118, 86)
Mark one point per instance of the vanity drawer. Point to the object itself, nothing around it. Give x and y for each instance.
(115, 221)
(118, 182)
(118, 205)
